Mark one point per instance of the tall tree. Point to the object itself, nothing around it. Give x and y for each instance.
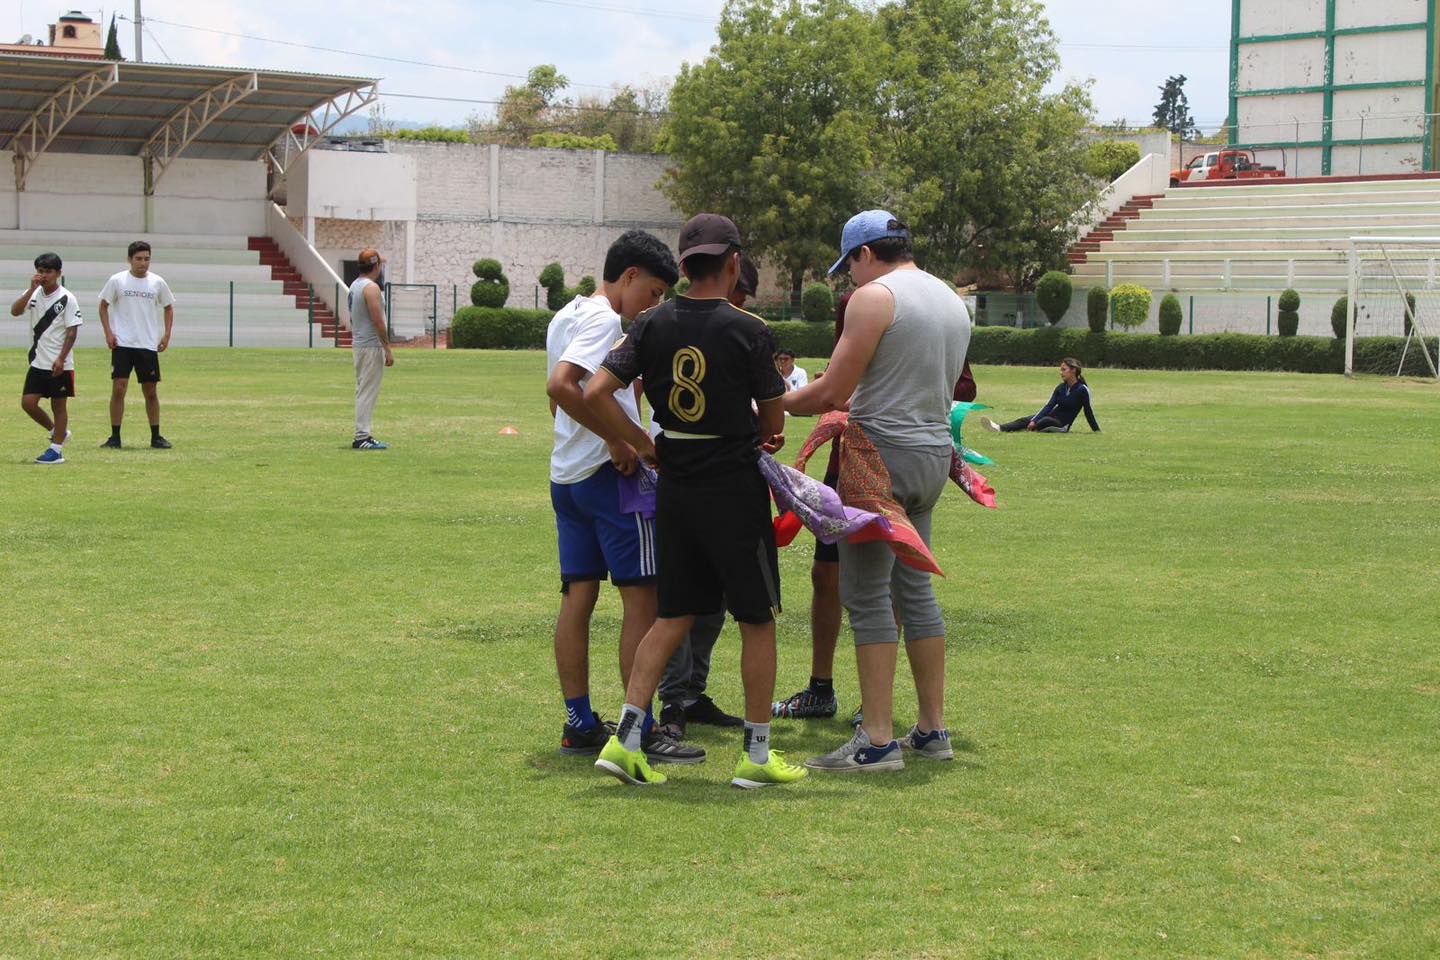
(527, 109)
(988, 167)
(776, 127)
(1173, 111)
(112, 43)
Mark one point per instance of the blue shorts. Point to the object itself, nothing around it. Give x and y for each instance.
(597, 540)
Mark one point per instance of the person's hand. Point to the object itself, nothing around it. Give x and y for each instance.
(110, 341)
(164, 343)
(773, 444)
(623, 457)
(1030, 425)
(57, 368)
(389, 356)
(36, 282)
(647, 454)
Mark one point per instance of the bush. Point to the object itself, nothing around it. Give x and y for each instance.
(1053, 294)
(1108, 159)
(492, 288)
(817, 303)
(805, 338)
(1097, 309)
(1287, 321)
(1340, 317)
(487, 328)
(574, 141)
(1171, 316)
(1130, 303)
(1407, 314)
(429, 135)
(682, 285)
(1289, 301)
(586, 287)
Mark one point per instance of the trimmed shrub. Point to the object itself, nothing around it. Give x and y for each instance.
(1053, 294)
(1097, 309)
(552, 278)
(805, 338)
(1340, 317)
(492, 288)
(1130, 305)
(681, 285)
(817, 303)
(1108, 159)
(586, 287)
(1289, 301)
(1287, 321)
(487, 328)
(1171, 316)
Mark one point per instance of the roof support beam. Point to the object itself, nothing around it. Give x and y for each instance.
(187, 123)
(37, 133)
(316, 123)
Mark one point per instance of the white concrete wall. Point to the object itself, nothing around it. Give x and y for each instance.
(1289, 63)
(1259, 18)
(352, 186)
(1380, 57)
(71, 191)
(1378, 13)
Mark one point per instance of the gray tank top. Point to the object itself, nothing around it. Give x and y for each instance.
(361, 328)
(904, 396)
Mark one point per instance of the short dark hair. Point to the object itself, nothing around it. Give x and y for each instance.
(139, 246)
(48, 261)
(889, 249)
(785, 352)
(702, 266)
(636, 248)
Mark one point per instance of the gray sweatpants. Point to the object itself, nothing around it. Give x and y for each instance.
(369, 371)
(688, 671)
(873, 583)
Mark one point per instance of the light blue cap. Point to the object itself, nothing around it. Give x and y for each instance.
(863, 228)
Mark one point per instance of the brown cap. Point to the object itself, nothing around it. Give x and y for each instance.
(708, 233)
(369, 259)
(749, 277)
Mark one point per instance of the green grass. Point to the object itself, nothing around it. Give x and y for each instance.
(265, 696)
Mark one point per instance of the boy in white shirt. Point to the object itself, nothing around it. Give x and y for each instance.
(795, 377)
(138, 332)
(54, 318)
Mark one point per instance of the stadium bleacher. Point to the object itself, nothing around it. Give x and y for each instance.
(199, 269)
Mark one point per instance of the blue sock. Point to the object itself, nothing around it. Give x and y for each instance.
(579, 715)
(649, 723)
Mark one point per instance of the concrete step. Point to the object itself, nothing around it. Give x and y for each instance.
(1341, 225)
(1331, 211)
(1187, 201)
(172, 272)
(116, 243)
(1282, 236)
(1330, 187)
(162, 256)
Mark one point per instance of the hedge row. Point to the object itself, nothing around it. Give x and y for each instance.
(1220, 351)
(500, 328)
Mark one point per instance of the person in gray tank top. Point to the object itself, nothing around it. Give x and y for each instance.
(369, 344)
(895, 366)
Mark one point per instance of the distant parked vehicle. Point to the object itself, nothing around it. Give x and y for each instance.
(1224, 165)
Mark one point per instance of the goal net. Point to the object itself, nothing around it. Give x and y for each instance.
(1394, 307)
(412, 310)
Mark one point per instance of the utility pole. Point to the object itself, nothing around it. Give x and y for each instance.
(139, 22)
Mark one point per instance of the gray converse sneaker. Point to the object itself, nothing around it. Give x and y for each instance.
(860, 756)
(934, 745)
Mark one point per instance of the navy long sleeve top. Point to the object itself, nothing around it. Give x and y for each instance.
(1067, 402)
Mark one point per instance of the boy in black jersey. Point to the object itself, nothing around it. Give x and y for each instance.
(703, 362)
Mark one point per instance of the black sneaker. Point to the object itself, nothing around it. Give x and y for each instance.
(672, 718)
(705, 711)
(113, 443)
(158, 443)
(660, 747)
(805, 705)
(586, 743)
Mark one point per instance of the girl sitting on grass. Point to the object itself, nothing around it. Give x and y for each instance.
(1069, 399)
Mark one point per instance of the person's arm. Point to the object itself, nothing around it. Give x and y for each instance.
(377, 318)
(105, 324)
(771, 416)
(612, 423)
(1052, 405)
(868, 315)
(58, 367)
(1089, 413)
(169, 326)
(565, 392)
(18, 307)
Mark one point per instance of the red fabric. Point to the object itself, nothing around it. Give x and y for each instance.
(965, 386)
(787, 528)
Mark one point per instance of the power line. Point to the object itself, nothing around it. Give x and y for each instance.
(584, 108)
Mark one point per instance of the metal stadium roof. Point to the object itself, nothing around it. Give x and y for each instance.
(161, 111)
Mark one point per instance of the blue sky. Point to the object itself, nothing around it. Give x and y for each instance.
(1124, 47)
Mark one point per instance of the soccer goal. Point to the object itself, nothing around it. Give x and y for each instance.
(411, 310)
(1394, 307)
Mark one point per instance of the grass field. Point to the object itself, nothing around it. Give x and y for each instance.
(262, 695)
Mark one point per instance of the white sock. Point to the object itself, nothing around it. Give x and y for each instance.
(632, 724)
(56, 447)
(757, 742)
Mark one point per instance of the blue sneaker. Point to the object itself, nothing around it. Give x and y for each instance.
(369, 443)
(860, 756)
(50, 457)
(934, 745)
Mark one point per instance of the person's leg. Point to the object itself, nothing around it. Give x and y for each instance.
(703, 637)
(61, 407)
(1014, 426)
(675, 684)
(572, 640)
(757, 670)
(369, 369)
(118, 389)
(824, 617)
(30, 403)
(152, 403)
(655, 650)
(865, 572)
(582, 567)
(1050, 425)
(638, 604)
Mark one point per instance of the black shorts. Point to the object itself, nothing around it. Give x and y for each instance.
(829, 552)
(717, 545)
(47, 385)
(145, 363)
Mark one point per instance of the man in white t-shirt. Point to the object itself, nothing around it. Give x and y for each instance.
(137, 311)
(54, 320)
(795, 377)
(596, 540)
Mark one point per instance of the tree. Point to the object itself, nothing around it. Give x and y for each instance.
(525, 110)
(776, 127)
(988, 167)
(1173, 111)
(112, 42)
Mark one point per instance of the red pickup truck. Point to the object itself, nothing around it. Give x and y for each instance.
(1224, 165)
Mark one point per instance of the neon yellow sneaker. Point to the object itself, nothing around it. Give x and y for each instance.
(752, 776)
(627, 766)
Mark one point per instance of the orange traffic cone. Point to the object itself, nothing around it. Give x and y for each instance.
(509, 432)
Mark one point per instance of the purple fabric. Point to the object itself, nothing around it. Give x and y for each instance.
(818, 507)
(637, 492)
